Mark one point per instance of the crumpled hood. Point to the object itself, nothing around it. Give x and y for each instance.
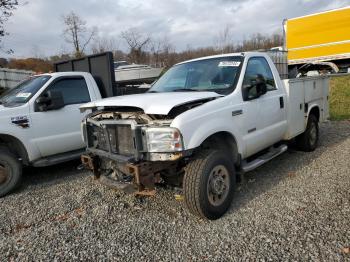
(152, 103)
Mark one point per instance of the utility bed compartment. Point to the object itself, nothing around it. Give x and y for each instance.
(302, 95)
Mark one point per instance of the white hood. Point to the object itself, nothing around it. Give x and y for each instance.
(152, 103)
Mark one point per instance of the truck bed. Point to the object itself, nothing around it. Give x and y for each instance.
(302, 95)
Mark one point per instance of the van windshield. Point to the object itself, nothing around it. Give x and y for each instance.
(212, 74)
(24, 91)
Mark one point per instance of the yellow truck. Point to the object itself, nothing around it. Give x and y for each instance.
(319, 39)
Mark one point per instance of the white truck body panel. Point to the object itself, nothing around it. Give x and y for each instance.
(312, 91)
(10, 129)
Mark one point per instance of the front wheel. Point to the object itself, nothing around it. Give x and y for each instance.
(10, 172)
(308, 140)
(209, 184)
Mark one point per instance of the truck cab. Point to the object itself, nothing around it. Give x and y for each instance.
(40, 118)
(40, 122)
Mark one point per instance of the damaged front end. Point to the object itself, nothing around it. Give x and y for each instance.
(131, 151)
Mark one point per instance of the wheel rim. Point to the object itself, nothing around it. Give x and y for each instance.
(3, 174)
(218, 185)
(313, 133)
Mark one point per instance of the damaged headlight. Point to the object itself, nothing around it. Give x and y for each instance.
(163, 139)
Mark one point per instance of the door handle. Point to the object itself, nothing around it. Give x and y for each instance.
(281, 102)
(237, 112)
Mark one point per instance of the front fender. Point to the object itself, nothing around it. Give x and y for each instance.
(9, 128)
(198, 124)
(16, 133)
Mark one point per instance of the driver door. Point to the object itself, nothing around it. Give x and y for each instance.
(266, 121)
(58, 130)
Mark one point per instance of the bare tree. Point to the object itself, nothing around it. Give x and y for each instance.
(6, 10)
(160, 49)
(103, 44)
(223, 41)
(77, 33)
(137, 43)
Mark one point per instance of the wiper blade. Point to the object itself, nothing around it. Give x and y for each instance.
(186, 90)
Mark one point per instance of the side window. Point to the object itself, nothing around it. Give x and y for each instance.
(74, 90)
(267, 74)
(258, 70)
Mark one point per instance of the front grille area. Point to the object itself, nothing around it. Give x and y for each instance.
(121, 139)
(118, 136)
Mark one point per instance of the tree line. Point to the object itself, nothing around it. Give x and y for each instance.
(142, 48)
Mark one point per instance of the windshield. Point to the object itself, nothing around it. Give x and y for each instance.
(213, 74)
(24, 91)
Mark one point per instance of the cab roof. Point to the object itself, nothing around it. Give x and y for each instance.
(241, 54)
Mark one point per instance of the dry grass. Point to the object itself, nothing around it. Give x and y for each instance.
(339, 102)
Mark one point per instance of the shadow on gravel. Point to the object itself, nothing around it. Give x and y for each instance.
(286, 166)
(255, 183)
(48, 176)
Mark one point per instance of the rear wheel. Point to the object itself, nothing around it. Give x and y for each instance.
(209, 184)
(10, 172)
(308, 140)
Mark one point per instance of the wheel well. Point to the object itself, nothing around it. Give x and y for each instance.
(223, 141)
(316, 112)
(15, 146)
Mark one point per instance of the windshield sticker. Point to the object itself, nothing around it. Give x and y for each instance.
(23, 95)
(229, 63)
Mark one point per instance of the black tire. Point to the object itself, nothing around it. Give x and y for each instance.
(197, 187)
(308, 140)
(10, 172)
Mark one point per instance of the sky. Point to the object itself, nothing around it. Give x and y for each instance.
(36, 28)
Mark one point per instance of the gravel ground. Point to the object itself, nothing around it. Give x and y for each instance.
(297, 207)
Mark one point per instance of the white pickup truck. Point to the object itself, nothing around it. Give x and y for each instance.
(40, 123)
(203, 122)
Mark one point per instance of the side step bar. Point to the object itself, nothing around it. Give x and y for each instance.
(249, 166)
(56, 159)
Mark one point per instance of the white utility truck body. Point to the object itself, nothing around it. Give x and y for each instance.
(201, 123)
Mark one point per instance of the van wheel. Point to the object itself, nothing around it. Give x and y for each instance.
(209, 184)
(10, 172)
(308, 140)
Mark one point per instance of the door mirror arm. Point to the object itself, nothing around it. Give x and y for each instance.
(261, 89)
(246, 90)
(51, 100)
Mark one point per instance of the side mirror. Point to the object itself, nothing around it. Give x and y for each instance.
(261, 87)
(51, 100)
(255, 89)
(245, 91)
